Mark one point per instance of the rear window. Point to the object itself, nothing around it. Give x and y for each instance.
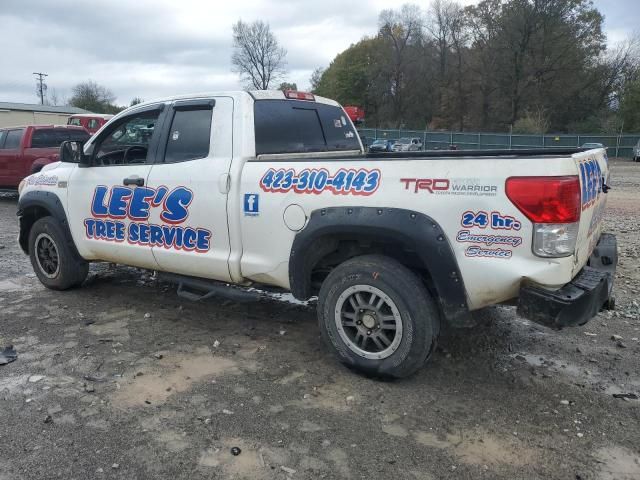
(52, 138)
(294, 126)
(12, 140)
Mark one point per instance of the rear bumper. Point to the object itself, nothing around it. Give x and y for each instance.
(579, 300)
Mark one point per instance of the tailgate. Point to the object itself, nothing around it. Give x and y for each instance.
(593, 170)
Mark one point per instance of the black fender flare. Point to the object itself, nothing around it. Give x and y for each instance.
(416, 231)
(39, 200)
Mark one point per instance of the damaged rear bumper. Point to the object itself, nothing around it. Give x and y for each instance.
(579, 300)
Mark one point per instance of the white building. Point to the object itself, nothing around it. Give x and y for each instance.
(17, 114)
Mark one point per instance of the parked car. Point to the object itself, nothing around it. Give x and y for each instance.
(92, 122)
(278, 194)
(25, 150)
(407, 145)
(636, 152)
(381, 145)
(592, 145)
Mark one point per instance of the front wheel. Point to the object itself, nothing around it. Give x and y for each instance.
(377, 316)
(54, 263)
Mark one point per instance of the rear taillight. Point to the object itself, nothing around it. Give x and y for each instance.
(292, 94)
(553, 205)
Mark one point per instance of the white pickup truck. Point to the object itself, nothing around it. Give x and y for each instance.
(268, 188)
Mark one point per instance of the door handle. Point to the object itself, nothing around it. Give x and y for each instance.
(137, 181)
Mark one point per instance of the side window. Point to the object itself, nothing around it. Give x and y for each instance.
(12, 141)
(3, 134)
(93, 124)
(74, 121)
(128, 141)
(189, 136)
(53, 137)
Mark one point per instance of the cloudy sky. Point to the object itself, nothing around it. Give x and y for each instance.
(155, 48)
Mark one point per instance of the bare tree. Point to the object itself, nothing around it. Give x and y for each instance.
(257, 56)
(400, 28)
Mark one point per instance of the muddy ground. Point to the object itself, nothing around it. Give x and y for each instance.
(123, 379)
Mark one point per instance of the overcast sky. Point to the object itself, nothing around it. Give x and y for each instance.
(155, 48)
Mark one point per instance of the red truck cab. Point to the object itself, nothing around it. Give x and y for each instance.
(91, 122)
(25, 150)
(356, 114)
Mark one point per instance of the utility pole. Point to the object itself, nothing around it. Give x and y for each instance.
(42, 87)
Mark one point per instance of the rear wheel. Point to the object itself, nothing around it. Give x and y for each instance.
(54, 263)
(377, 317)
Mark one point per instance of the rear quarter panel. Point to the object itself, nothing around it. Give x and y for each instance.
(444, 189)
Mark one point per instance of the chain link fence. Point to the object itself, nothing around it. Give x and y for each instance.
(617, 145)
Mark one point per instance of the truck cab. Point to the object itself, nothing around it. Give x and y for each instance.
(26, 150)
(91, 122)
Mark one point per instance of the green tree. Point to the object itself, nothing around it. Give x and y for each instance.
(93, 97)
(630, 106)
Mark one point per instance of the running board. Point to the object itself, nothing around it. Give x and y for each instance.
(198, 289)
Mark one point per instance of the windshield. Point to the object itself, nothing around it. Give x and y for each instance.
(379, 142)
(404, 141)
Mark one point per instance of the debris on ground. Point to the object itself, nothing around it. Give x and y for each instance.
(630, 396)
(235, 451)
(290, 471)
(8, 355)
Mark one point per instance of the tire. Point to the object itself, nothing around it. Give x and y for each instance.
(55, 264)
(405, 302)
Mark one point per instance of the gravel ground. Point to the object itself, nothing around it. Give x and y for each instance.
(123, 379)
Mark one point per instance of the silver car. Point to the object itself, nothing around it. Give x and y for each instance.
(407, 145)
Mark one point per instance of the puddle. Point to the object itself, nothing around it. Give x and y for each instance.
(588, 374)
(480, 448)
(618, 463)
(9, 286)
(172, 374)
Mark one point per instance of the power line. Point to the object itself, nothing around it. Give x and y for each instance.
(42, 87)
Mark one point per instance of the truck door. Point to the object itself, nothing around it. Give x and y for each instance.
(192, 171)
(11, 168)
(108, 201)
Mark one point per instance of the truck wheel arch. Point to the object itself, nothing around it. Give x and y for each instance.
(37, 204)
(411, 237)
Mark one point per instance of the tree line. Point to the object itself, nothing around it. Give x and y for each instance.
(533, 66)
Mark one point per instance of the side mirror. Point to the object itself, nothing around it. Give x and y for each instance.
(72, 152)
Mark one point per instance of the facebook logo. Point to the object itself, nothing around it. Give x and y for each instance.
(251, 204)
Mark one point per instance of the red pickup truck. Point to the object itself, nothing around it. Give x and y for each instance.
(25, 150)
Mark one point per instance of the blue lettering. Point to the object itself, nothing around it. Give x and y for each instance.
(134, 232)
(98, 207)
(101, 230)
(202, 243)
(140, 203)
(189, 239)
(90, 225)
(144, 233)
(155, 235)
(119, 234)
(175, 205)
(118, 202)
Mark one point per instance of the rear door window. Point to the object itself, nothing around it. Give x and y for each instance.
(12, 140)
(293, 126)
(52, 138)
(189, 135)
